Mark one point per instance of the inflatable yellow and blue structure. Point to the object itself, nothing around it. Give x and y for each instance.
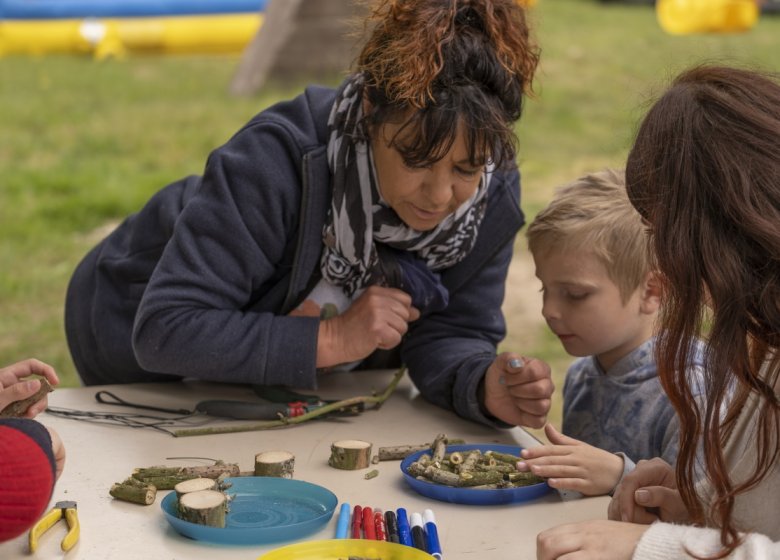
(683, 17)
(107, 28)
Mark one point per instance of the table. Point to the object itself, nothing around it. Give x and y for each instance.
(99, 455)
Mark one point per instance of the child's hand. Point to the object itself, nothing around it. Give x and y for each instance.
(15, 387)
(570, 464)
(59, 450)
(518, 390)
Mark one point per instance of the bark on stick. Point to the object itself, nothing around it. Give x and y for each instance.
(350, 454)
(165, 478)
(280, 464)
(18, 408)
(399, 452)
(135, 491)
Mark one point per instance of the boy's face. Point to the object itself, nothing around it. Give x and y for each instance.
(583, 307)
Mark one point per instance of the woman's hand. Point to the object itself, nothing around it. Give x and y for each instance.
(647, 494)
(13, 388)
(597, 540)
(518, 390)
(571, 464)
(378, 319)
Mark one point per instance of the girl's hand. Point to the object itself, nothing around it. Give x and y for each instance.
(518, 390)
(378, 319)
(597, 540)
(13, 389)
(651, 485)
(570, 464)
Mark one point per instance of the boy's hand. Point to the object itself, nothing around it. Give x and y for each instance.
(570, 464)
(518, 390)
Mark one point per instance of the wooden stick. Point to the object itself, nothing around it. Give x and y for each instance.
(134, 491)
(279, 464)
(18, 408)
(285, 421)
(399, 452)
(166, 478)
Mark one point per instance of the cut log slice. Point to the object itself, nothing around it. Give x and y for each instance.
(280, 464)
(206, 507)
(194, 485)
(350, 454)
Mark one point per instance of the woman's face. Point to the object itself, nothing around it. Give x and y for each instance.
(423, 196)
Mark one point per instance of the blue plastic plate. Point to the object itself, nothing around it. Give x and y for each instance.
(263, 510)
(473, 496)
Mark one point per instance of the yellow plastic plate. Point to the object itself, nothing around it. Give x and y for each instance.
(340, 549)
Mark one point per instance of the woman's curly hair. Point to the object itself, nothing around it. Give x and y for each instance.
(438, 64)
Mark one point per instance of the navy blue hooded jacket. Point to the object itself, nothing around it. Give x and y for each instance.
(200, 281)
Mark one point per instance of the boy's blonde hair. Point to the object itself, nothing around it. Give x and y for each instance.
(594, 214)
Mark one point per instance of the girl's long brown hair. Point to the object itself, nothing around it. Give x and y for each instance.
(705, 172)
(449, 62)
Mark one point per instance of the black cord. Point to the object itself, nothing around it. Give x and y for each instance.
(130, 419)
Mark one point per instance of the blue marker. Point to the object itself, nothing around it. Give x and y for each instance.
(404, 532)
(432, 545)
(342, 525)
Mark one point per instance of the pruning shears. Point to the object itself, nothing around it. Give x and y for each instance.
(60, 510)
(273, 402)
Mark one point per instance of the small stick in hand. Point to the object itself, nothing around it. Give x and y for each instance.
(18, 408)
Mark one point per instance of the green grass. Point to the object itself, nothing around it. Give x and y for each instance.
(85, 143)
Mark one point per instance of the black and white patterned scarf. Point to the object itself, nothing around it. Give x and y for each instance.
(359, 217)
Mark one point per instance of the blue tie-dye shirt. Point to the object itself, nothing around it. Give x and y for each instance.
(625, 409)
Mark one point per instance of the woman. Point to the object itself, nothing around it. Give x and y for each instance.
(359, 227)
(704, 173)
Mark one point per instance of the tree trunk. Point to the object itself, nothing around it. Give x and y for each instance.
(207, 507)
(350, 454)
(280, 464)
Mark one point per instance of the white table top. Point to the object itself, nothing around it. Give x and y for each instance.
(99, 455)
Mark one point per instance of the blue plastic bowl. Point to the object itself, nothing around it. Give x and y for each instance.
(473, 496)
(263, 510)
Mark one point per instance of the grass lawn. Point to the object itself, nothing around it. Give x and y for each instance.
(85, 143)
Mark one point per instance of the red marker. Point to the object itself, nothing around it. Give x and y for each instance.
(369, 531)
(379, 525)
(357, 521)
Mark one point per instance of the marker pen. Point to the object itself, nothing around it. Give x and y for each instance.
(404, 534)
(369, 532)
(432, 545)
(391, 526)
(342, 525)
(418, 533)
(357, 522)
(379, 525)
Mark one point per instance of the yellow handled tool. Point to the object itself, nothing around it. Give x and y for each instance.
(60, 509)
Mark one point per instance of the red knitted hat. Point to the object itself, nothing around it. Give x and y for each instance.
(26, 475)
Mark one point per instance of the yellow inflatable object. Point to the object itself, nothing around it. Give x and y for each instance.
(118, 36)
(682, 17)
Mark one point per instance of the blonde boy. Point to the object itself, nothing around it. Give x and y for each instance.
(601, 298)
